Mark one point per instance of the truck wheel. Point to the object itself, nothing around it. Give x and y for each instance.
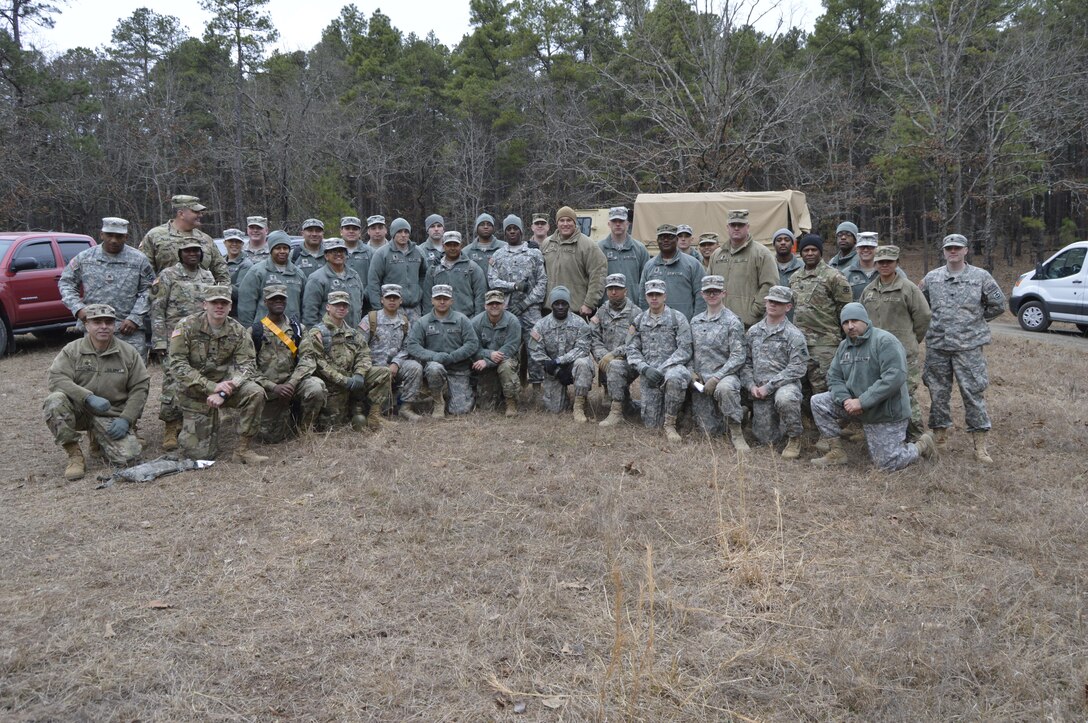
(1033, 317)
(5, 339)
(1083, 328)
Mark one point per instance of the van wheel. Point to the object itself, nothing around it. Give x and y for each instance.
(1033, 317)
(1083, 328)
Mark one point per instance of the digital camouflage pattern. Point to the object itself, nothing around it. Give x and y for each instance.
(514, 266)
(608, 329)
(777, 359)
(387, 337)
(664, 343)
(123, 281)
(885, 440)
(161, 245)
(564, 342)
(719, 351)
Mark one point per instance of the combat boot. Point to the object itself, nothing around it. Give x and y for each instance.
(511, 406)
(981, 455)
(245, 455)
(940, 438)
(736, 434)
(77, 466)
(925, 446)
(170, 435)
(580, 410)
(670, 429)
(358, 422)
(374, 418)
(406, 412)
(96, 448)
(854, 433)
(835, 455)
(793, 448)
(615, 415)
(439, 411)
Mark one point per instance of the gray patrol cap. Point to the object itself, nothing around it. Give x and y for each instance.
(314, 223)
(954, 239)
(781, 294)
(868, 238)
(617, 212)
(234, 234)
(391, 290)
(655, 286)
(684, 228)
(351, 221)
(713, 281)
(113, 224)
(451, 237)
(375, 220)
(614, 280)
(666, 229)
(442, 290)
(331, 244)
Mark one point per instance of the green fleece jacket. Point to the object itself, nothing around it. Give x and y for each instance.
(872, 369)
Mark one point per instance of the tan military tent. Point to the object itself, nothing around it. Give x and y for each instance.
(768, 211)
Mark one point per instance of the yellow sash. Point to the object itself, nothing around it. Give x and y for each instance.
(281, 335)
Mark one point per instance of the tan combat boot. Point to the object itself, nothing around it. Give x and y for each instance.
(95, 448)
(511, 406)
(580, 410)
(925, 445)
(615, 415)
(439, 411)
(981, 455)
(77, 466)
(170, 435)
(374, 418)
(245, 455)
(793, 448)
(940, 438)
(736, 435)
(407, 412)
(670, 429)
(835, 455)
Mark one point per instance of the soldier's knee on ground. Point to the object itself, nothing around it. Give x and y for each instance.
(199, 436)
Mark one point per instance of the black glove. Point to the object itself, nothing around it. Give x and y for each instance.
(516, 309)
(98, 405)
(654, 377)
(550, 367)
(355, 383)
(565, 373)
(118, 428)
(523, 286)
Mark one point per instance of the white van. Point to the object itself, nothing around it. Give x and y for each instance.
(1054, 291)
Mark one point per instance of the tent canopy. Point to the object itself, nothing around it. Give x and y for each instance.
(768, 211)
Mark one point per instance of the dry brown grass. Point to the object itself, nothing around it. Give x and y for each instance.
(475, 566)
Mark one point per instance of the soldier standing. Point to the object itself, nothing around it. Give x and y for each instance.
(624, 254)
(749, 270)
(499, 333)
(334, 275)
(161, 243)
(461, 274)
(708, 245)
(659, 349)
(777, 360)
(718, 356)
(309, 256)
(276, 269)
(608, 342)
(400, 263)
(518, 271)
(788, 262)
(963, 298)
(114, 274)
(444, 342)
(575, 262)
(846, 238)
(386, 332)
(679, 270)
(560, 344)
(237, 263)
(97, 385)
(432, 247)
(485, 245)
(341, 358)
(351, 230)
(376, 231)
(819, 293)
(211, 359)
(286, 377)
(257, 245)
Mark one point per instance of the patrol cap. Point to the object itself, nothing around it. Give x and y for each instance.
(559, 293)
(190, 202)
(451, 237)
(217, 293)
(99, 311)
(781, 294)
(868, 238)
(190, 244)
(666, 229)
(655, 286)
(684, 228)
(314, 223)
(233, 234)
(493, 296)
(433, 219)
(887, 253)
(539, 217)
(954, 239)
(617, 212)
(273, 290)
(351, 221)
(713, 282)
(614, 280)
(113, 224)
(375, 220)
(391, 290)
(339, 297)
(738, 216)
(331, 244)
(708, 238)
(442, 290)
(399, 224)
(257, 221)
(278, 238)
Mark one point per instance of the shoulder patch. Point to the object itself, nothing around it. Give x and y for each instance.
(176, 332)
(535, 334)
(631, 329)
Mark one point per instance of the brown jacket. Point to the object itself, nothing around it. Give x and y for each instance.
(749, 272)
(117, 374)
(577, 263)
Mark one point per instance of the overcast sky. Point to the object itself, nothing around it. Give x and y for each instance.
(89, 23)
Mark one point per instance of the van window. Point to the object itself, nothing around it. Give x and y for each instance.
(1065, 264)
(40, 251)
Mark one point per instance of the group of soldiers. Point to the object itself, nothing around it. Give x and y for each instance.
(341, 331)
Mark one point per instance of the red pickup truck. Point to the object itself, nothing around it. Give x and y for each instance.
(30, 265)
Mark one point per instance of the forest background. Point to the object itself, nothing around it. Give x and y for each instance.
(914, 118)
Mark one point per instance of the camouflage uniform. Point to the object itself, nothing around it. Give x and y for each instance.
(683, 276)
(662, 342)
(482, 255)
(468, 282)
(308, 261)
(719, 351)
(819, 296)
(338, 353)
(628, 259)
(256, 255)
(176, 294)
(387, 337)
(279, 364)
(608, 335)
(161, 244)
(323, 282)
(512, 266)
(445, 347)
(199, 358)
(237, 269)
(505, 337)
(117, 374)
(961, 304)
(122, 281)
(777, 358)
(405, 267)
(564, 342)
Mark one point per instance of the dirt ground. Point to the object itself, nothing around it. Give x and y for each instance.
(478, 569)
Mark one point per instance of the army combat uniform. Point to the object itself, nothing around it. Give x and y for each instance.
(565, 343)
(608, 343)
(161, 245)
(387, 337)
(777, 359)
(341, 357)
(662, 343)
(718, 352)
(279, 362)
(518, 272)
(445, 347)
(819, 295)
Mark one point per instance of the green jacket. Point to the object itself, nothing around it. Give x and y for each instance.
(452, 341)
(504, 336)
(117, 374)
(577, 263)
(469, 284)
(873, 369)
(749, 272)
(900, 308)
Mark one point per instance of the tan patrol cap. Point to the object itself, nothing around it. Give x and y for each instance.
(339, 297)
(273, 290)
(708, 238)
(666, 229)
(217, 293)
(191, 202)
(887, 253)
(493, 296)
(739, 216)
(99, 311)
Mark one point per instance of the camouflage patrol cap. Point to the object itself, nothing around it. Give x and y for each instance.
(708, 238)
(867, 238)
(614, 280)
(781, 294)
(375, 220)
(713, 282)
(274, 290)
(257, 221)
(451, 237)
(617, 213)
(98, 311)
(190, 202)
(113, 224)
(887, 253)
(278, 238)
(313, 223)
(538, 217)
(666, 229)
(738, 216)
(442, 290)
(339, 297)
(217, 293)
(332, 244)
(684, 228)
(190, 244)
(351, 221)
(233, 234)
(655, 286)
(494, 295)
(391, 290)
(954, 239)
